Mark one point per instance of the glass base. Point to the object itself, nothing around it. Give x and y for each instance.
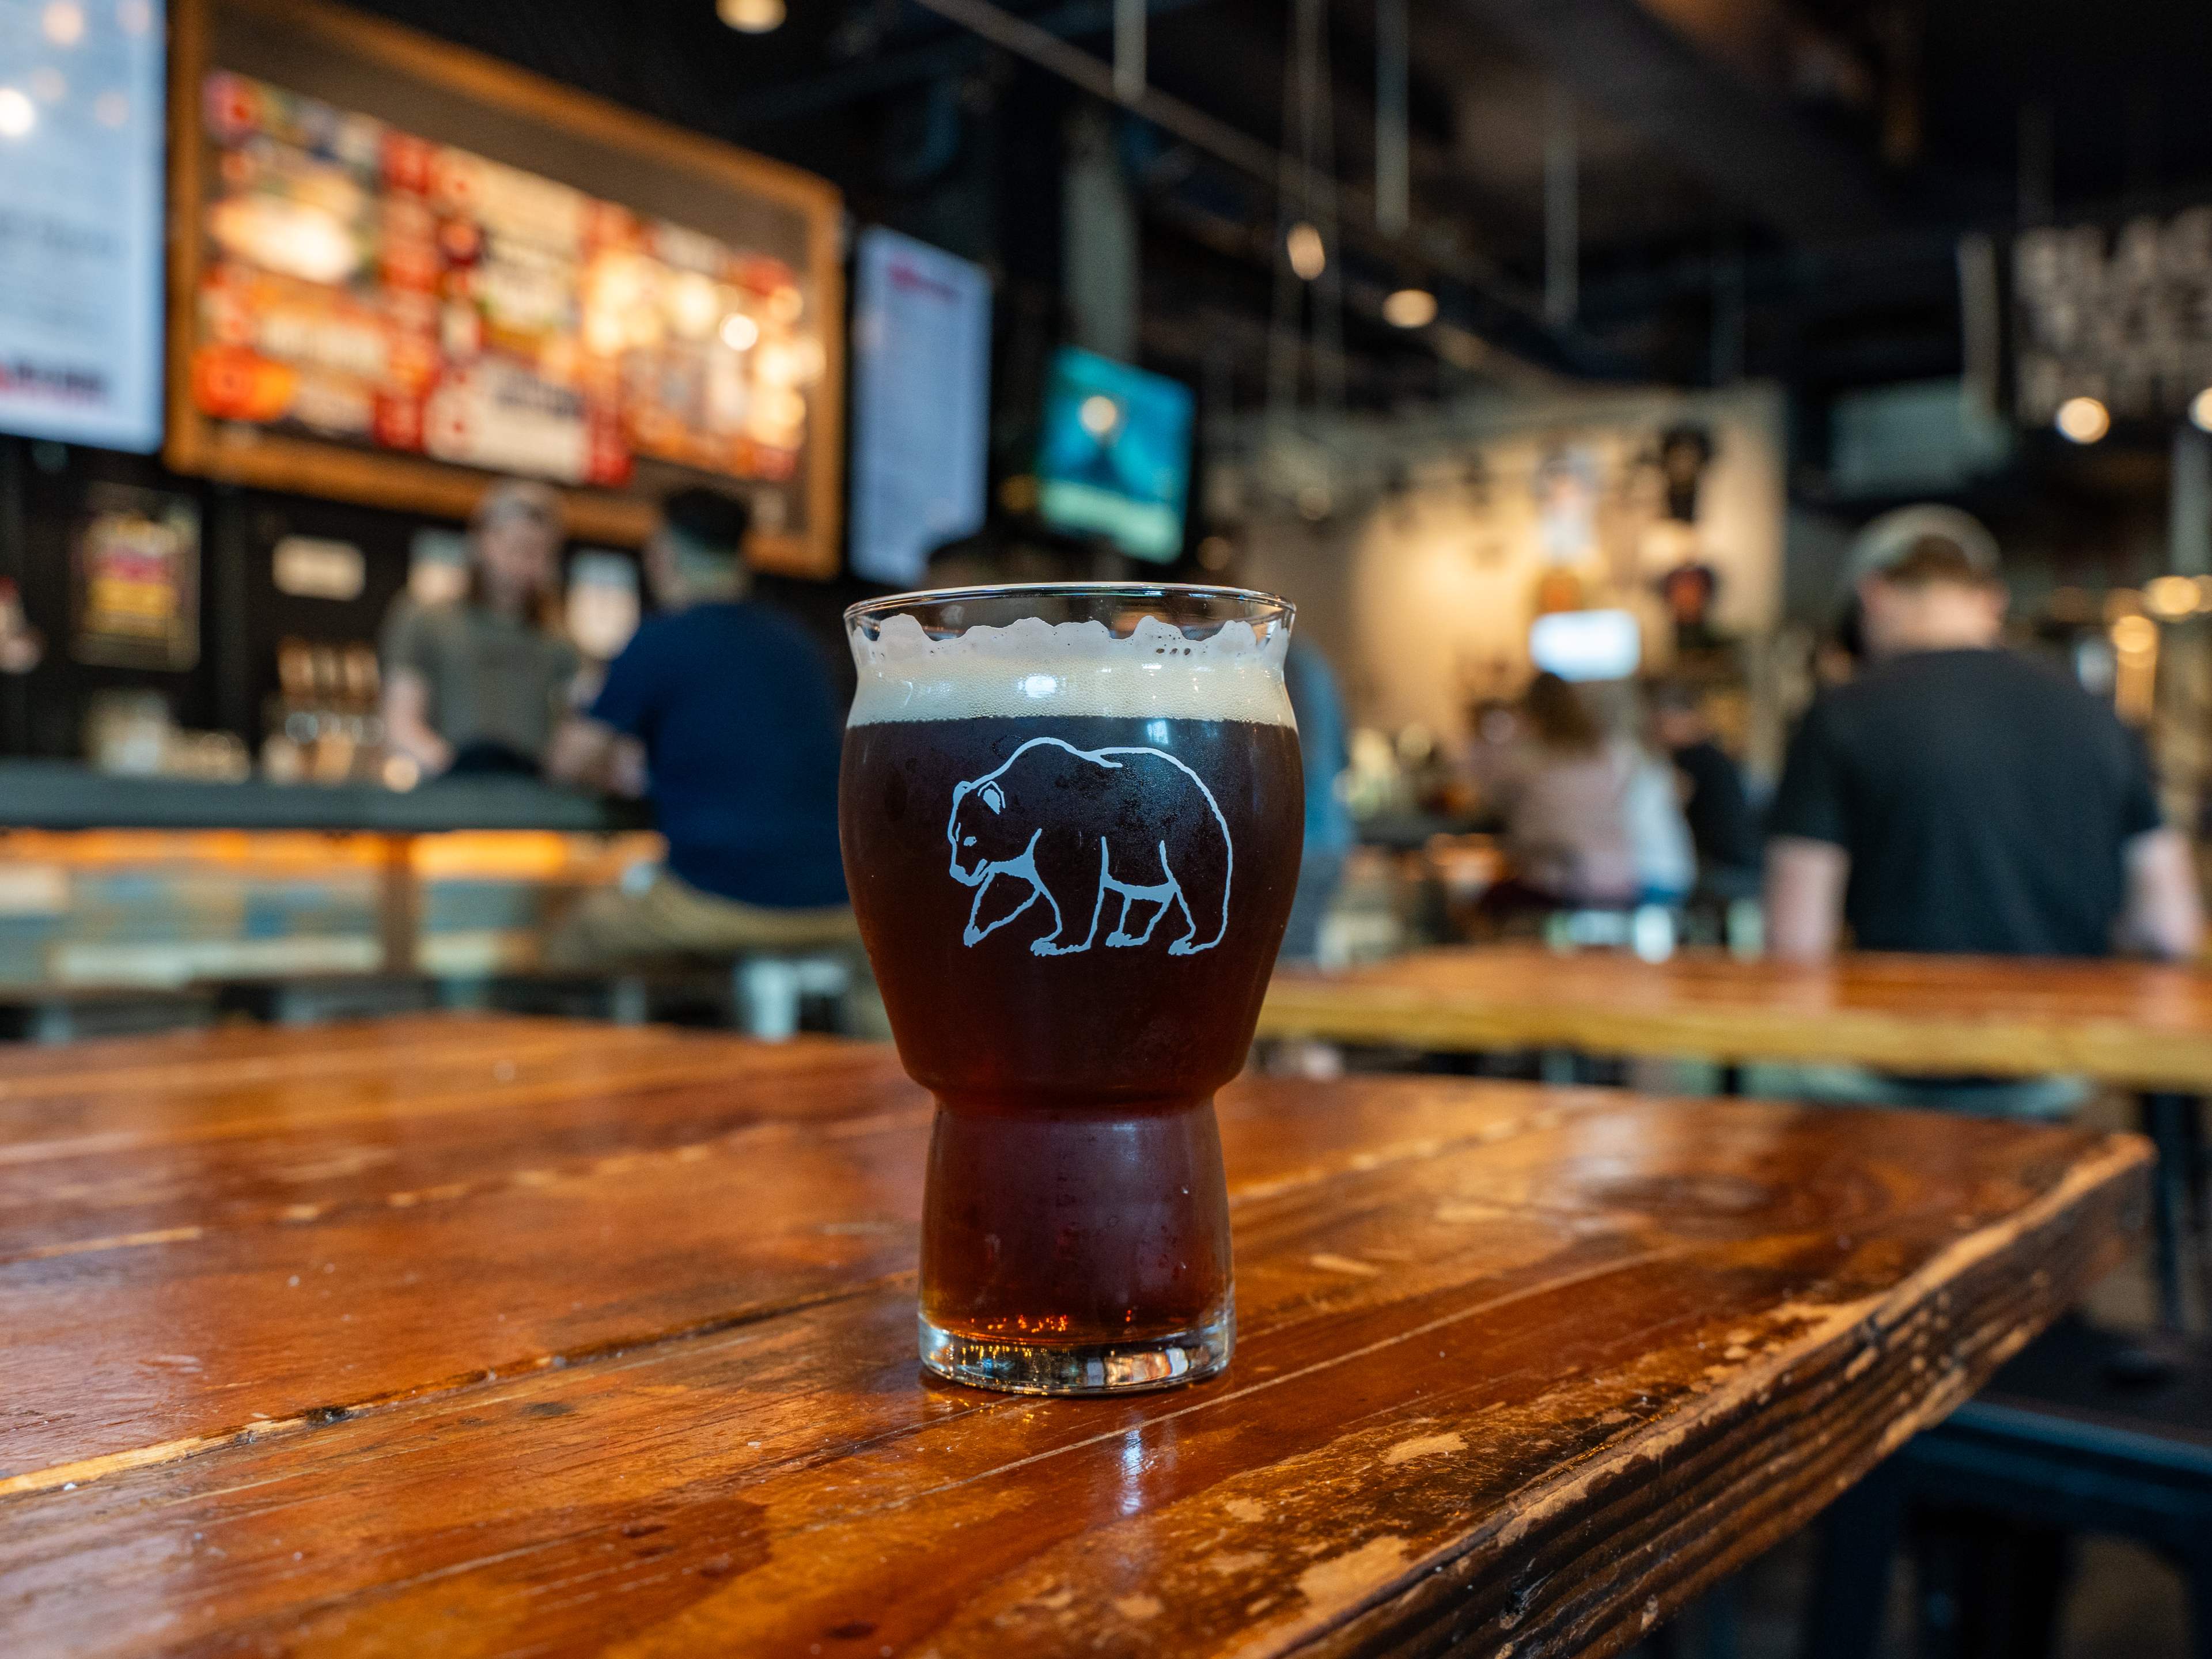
(1163, 1362)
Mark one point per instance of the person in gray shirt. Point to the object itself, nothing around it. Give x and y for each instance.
(480, 685)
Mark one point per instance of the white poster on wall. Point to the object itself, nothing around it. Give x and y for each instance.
(921, 396)
(82, 119)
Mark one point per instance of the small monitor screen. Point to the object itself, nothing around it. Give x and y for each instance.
(921, 404)
(1587, 644)
(1115, 459)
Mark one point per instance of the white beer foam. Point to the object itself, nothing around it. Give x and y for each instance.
(1032, 666)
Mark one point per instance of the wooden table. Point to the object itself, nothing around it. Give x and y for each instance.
(2144, 1026)
(473, 1337)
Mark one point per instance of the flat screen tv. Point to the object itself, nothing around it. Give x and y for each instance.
(1114, 456)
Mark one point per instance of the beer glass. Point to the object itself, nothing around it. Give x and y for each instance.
(1072, 817)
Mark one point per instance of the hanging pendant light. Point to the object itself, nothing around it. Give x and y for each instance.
(750, 16)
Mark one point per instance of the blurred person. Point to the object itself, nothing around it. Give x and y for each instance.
(1957, 797)
(1722, 828)
(1840, 653)
(479, 686)
(723, 711)
(1322, 751)
(1591, 817)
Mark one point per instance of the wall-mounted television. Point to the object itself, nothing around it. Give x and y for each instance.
(1114, 456)
(82, 123)
(921, 403)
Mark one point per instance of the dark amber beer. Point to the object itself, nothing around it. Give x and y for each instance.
(1072, 849)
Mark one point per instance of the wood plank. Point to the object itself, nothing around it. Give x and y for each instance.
(1591, 1411)
(2129, 1023)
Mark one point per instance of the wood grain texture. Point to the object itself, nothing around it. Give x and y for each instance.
(474, 1337)
(2133, 1024)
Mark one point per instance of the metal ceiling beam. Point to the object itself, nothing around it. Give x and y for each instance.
(1429, 248)
(952, 53)
(1747, 144)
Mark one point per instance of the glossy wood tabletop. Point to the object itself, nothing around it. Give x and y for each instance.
(2140, 1025)
(476, 1337)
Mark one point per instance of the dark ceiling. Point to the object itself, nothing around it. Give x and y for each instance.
(1770, 187)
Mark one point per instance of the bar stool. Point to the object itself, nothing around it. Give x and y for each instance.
(2076, 1435)
(767, 988)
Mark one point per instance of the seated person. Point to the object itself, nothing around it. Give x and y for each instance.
(1591, 818)
(479, 686)
(1723, 827)
(722, 711)
(1318, 709)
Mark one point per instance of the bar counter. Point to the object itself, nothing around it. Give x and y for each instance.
(112, 882)
(39, 794)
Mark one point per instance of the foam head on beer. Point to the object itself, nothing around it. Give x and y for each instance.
(1031, 667)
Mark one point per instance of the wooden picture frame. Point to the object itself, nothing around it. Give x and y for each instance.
(205, 447)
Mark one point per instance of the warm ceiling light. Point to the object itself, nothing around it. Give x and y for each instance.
(18, 114)
(2134, 636)
(1410, 307)
(2170, 598)
(2200, 410)
(2084, 420)
(750, 16)
(1304, 245)
(739, 331)
(1098, 414)
(62, 22)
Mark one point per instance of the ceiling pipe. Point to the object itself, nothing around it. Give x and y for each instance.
(1217, 139)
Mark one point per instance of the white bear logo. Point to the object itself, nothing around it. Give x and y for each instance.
(1065, 821)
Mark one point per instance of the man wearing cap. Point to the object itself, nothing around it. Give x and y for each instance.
(723, 710)
(1958, 797)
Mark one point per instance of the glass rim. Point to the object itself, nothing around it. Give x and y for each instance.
(892, 604)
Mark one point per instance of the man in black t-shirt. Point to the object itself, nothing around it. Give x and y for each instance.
(1958, 798)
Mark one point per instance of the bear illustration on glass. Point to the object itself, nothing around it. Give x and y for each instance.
(1096, 798)
(1070, 819)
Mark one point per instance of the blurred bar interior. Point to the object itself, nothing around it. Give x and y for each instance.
(1508, 343)
(1582, 336)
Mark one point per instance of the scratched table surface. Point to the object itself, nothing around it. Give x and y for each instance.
(2138, 1024)
(476, 1337)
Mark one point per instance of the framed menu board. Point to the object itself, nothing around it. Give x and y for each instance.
(400, 269)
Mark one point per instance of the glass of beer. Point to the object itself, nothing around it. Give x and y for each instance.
(1072, 817)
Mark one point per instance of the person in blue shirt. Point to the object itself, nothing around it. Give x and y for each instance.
(1329, 832)
(721, 711)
